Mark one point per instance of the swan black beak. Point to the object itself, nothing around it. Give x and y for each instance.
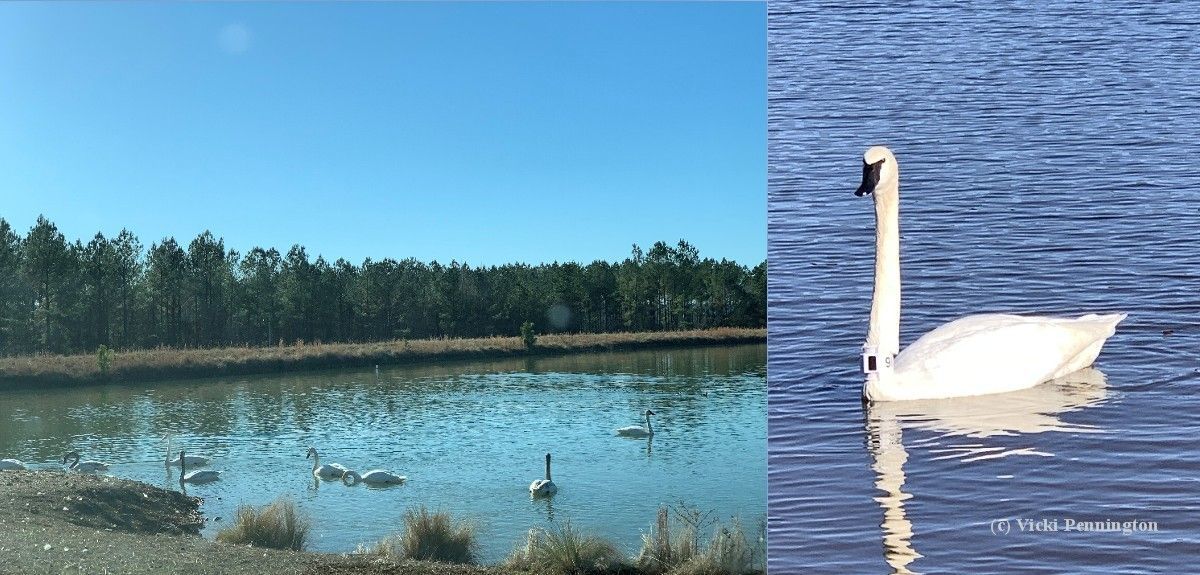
(870, 178)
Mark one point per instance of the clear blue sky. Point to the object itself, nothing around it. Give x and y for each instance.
(482, 132)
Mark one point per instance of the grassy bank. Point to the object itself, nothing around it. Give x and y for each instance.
(58, 522)
(169, 363)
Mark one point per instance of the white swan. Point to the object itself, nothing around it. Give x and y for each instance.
(12, 465)
(84, 466)
(974, 355)
(192, 460)
(543, 487)
(203, 476)
(637, 430)
(326, 471)
(373, 477)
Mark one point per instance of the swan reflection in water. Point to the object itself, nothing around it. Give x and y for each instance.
(545, 504)
(1027, 411)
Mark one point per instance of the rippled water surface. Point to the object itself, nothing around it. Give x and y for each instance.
(469, 436)
(1049, 163)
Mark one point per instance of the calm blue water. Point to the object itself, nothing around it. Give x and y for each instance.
(1050, 162)
(469, 436)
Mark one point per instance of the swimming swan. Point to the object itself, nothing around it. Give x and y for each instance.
(974, 355)
(327, 471)
(192, 460)
(373, 477)
(543, 487)
(637, 430)
(85, 466)
(12, 465)
(204, 476)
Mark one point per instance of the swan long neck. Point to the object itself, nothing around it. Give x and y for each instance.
(649, 430)
(547, 467)
(884, 331)
(316, 459)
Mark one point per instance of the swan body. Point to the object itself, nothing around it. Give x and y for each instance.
(543, 487)
(973, 355)
(12, 465)
(373, 477)
(202, 476)
(637, 430)
(192, 460)
(326, 471)
(84, 466)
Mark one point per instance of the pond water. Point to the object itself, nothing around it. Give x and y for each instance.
(469, 436)
(1048, 165)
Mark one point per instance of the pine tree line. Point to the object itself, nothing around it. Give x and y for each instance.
(68, 297)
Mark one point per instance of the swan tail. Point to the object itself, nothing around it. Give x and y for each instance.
(1102, 328)
(1111, 319)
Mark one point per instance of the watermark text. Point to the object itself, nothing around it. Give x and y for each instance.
(1071, 524)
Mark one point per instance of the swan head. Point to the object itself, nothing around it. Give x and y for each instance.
(648, 412)
(70, 454)
(311, 452)
(880, 171)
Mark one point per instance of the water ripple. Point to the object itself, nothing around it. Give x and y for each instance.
(1046, 153)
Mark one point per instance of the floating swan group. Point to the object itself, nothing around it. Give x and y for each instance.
(329, 471)
(974, 355)
(348, 476)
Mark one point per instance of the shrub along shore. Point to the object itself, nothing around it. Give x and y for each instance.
(107, 366)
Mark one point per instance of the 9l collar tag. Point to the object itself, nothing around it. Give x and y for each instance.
(872, 362)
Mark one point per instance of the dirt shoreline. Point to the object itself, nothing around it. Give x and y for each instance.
(45, 371)
(56, 522)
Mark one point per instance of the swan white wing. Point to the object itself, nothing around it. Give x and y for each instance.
(632, 430)
(995, 353)
(204, 476)
(377, 476)
(91, 466)
(543, 487)
(11, 465)
(330, 471)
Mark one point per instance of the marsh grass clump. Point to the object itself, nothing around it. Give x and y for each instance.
(104, 357)
(676, 546)
(565, 551)
(431, 536)
(277, 526)
(528, 336)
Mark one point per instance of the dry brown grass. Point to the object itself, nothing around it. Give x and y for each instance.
(675, 546)
(431, 536)
(565, 551)
(168, 363)
(279, 525)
